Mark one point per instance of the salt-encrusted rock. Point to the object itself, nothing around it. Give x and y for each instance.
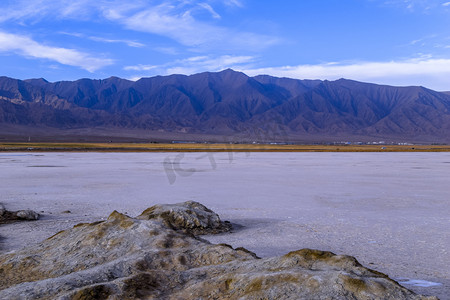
(145, 258)
(28, 215)
(11, 216)
(188, 216)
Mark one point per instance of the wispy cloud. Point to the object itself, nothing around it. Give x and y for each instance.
(193, 65)
(104, 40)
(414, 42)
(36, 10)
(27, 47)
(140, 68)
(427, 71)
(423, 41)
(424, 6)
(233, 3)
(205, 63)
(211, 10)
(167, 50)
(177, 21)
(127, 42)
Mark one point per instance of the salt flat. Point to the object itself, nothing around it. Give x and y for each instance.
(390, 210)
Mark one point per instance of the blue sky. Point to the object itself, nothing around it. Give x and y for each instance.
(396, 42)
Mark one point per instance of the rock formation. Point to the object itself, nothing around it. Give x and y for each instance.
(156, 256)
(21, 215)
(190, 216)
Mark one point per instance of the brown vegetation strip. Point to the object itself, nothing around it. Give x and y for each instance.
(202, 147)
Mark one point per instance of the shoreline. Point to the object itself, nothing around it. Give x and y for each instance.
(213, 147)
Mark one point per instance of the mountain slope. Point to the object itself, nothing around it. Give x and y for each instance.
(230, 103)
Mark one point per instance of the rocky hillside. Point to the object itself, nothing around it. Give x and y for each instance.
(156, 256)
(230, 103)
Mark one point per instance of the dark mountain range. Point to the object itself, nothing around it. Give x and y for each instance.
(227, 105)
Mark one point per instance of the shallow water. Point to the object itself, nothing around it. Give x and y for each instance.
(417, 282)
(390, 210)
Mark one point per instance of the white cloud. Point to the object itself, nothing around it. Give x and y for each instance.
(193, 65)
(425, 71)
(424, 6)
(211, 10)
(127, 42)
(35, 10)
(25, 46)
(167, 50)
(233, 3)
(103, 40)
(178, 22)
(414, 42)
(140, 68)
(75, 34)
(198, 64)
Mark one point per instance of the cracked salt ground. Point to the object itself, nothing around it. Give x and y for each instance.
(156, 255)
(339, 202)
